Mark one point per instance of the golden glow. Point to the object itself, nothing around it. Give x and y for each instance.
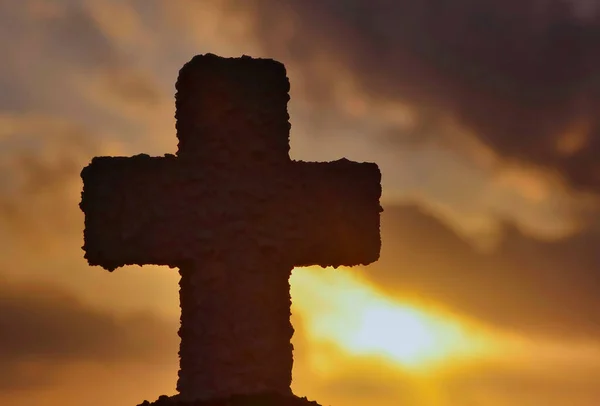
(337, 306)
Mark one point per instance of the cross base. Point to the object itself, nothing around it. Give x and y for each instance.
(270, 399)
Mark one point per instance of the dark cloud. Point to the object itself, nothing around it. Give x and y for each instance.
(520, 75)
(43, 327)
(65, 31)
(539, 288)
(76, 37)
(49, 46)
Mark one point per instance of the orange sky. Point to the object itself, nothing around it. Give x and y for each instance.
(486, 291)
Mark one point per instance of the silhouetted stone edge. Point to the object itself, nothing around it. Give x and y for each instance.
(260, 399)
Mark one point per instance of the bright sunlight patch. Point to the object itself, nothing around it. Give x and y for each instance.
(338, 307)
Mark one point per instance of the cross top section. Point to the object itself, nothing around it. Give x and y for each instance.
(233, 112)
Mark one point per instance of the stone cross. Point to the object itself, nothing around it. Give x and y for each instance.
(235, 214)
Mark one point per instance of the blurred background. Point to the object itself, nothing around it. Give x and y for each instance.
(483, 116)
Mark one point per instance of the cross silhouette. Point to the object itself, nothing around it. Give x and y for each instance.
(235, 214)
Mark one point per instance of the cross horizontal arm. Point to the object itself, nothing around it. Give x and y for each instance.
(131, 210)
(158, 210)
(337, 222)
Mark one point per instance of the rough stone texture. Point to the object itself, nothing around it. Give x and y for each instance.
(235, 214)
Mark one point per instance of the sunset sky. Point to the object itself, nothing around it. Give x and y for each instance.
(483, 115)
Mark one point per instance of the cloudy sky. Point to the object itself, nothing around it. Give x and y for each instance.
(483, 116)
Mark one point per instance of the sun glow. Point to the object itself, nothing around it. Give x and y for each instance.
(337, 306)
